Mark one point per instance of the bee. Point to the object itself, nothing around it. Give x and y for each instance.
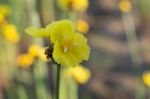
(48, 52)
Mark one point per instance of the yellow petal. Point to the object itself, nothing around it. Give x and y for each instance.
(63, 4)
(34, 50)
(4, 10)
(82, 26)
(81, 48)
(35, 32)
(61, 30)
(25, 60)
(80, 5)
(37, 51)
(125, 6)
(10, 33)
(2, 18)
(75, 5)
(62, 58)
(81, 74)
(57, 53)
(146, 78)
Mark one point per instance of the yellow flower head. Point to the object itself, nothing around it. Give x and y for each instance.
(146, 78)
(70, 48)
(25, 60)
(82, 26)
(37, 51)
(42, 56)
(2, 18)
(10, 33)
(75, 5)
(4, 10)
(79, 73)
(125, 6)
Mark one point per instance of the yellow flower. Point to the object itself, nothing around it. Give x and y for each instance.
(79, 73)
(146, 78)
(4, 10)
(37, 51)
(2, 18)
(82, 26)
(34, 50)
(25, 60)
(75, 5)
(10, 33)
(70, 48)
(42, 55)
(125, 6)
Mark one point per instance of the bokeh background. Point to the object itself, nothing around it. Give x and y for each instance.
(118, 32)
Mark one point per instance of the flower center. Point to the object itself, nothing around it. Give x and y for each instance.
(66, 45)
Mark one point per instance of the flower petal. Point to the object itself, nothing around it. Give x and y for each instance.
(57, 53)
(61, 30)
(81, 48)
(62, 58)
(33, 31)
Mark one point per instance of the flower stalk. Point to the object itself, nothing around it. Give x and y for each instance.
(58, 81)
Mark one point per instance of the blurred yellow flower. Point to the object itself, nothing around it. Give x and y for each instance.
(125, 6)
(70, 48)
(25, 60)
(75, 5)
(2, 18)
(146, 78)
(79, 73)
(37, 51)
(10, 33)
(4, 10)
(42, 56)
(34, 50)
(82, 26)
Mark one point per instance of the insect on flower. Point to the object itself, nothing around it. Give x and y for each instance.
(69, 47)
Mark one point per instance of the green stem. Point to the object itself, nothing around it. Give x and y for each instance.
(72, 16)
(132, 40)
(58, 81)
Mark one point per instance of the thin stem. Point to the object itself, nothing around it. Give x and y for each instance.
(72, 16)
(58, 81)
(132, 40)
